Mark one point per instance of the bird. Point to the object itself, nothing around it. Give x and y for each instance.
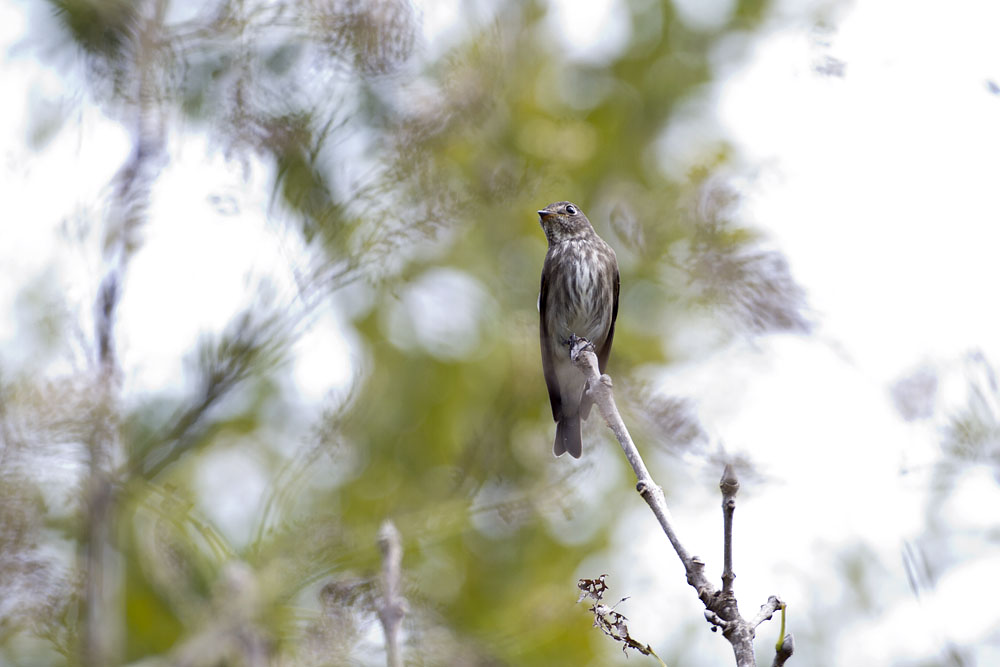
(578, 296)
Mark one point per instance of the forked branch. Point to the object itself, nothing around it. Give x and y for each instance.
(720, 605)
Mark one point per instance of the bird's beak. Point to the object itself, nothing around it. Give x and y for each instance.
(544, 214)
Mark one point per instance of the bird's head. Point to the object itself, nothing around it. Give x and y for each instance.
(564, 220)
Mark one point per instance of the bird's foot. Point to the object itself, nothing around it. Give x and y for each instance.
(576, 344)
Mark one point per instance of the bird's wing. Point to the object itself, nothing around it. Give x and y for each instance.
(548, 363)
(605, 351)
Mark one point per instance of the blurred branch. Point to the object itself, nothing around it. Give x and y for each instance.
(728, 271)
(392, 607)
(103, 444)
(128, 212)
(251, 345)
(721, 609)
(234, 632)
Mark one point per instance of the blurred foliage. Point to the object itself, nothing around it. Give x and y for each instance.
(416, 175)
(973, 433)
(967, 463)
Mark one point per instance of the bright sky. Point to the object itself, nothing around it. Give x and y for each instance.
(878, 186)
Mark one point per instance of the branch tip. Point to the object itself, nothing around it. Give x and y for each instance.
(784, 651)
(730, 483)
(773, 604)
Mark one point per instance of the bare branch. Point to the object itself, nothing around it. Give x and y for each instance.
(599, 387)
(721, 609)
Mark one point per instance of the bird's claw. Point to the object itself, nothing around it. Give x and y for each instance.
(580, 344)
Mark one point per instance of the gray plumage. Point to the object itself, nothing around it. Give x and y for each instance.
(579, 295)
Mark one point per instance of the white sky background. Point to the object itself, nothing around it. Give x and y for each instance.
(880, 189)
(878, 186)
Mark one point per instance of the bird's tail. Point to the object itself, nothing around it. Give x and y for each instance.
(568, 437)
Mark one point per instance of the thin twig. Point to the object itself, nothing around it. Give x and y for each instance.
(767, 610)
(730, 486)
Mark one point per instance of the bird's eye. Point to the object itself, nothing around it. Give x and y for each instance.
(571, 210)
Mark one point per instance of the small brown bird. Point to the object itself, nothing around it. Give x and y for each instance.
(579, 295)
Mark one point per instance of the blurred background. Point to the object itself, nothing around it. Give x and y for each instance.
(270, 279)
